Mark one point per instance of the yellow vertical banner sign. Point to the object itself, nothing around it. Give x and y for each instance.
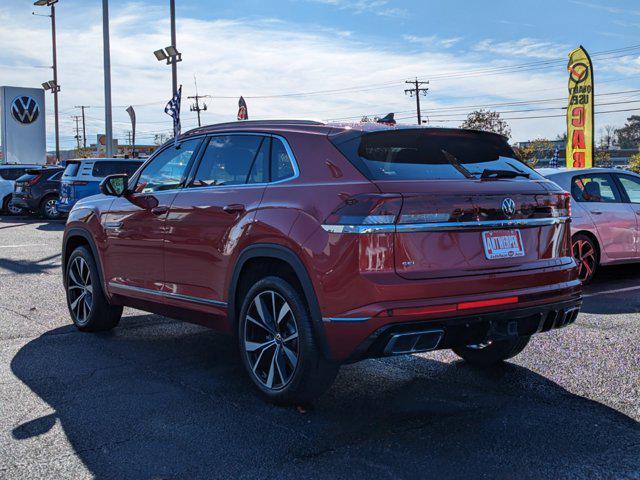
(580, 110)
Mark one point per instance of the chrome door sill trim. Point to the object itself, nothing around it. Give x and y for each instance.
(175, 296)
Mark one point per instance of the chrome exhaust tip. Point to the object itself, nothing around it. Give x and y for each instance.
(413, 342)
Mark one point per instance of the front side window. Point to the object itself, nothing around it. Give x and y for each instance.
(233, 160)
(168, 170)
(631, 186)
(595, 188)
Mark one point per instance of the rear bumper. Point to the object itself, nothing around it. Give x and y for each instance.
(23, 201)
(64, 207)
(536, 309)
(412, 337)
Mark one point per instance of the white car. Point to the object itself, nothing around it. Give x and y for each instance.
(605, 215)
(9, 173)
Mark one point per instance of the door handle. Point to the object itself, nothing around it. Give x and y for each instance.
(159, 210)
(234, 208)
(596, 212)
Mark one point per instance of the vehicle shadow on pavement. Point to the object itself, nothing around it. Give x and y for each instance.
(42, 265)
(20, 221)
(161, 399)
(609, 279)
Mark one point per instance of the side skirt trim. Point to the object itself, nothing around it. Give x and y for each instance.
(175, 296)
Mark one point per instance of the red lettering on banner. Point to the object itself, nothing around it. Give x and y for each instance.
(577, 115)
(577, 140)
(578, 160)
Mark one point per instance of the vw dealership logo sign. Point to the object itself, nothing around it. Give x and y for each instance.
(508, 207)
(25, 110)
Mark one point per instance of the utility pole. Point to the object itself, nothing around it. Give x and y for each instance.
(107, 78)
(196, 107)
(77, 120)
(417, 90)
(84, 127)
(174, 64)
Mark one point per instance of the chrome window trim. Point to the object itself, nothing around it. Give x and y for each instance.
(175, 296)
(445, 226)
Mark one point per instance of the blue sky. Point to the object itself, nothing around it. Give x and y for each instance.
(270, 48)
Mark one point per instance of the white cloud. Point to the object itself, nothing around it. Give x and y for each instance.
(377, 7)
(523, 47)
(250, 58)
(432, 41)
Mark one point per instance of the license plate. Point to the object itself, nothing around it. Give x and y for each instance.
(500, 244)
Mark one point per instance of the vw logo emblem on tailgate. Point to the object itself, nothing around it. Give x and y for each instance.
(508, 207)
(25, 110)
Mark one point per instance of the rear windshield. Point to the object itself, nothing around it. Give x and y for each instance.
(71, 169)
(428, 155)
(102, 169)
(12, 173)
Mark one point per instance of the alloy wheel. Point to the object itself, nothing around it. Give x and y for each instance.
(271, 340)
(50, 208)
(585, 256)
(80, 290)
(13, 210)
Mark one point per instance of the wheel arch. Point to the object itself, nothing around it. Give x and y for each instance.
(593, 237)
(279, 253)
(73, 239)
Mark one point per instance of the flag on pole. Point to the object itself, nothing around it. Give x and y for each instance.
(554, 160)
(243, 113)
(132, 116)
(173, 110)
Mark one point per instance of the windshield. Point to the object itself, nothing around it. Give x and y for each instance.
(428, 155)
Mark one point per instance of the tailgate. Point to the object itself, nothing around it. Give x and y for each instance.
(472, 227)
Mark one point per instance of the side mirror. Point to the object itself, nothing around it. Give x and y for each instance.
(115, 185)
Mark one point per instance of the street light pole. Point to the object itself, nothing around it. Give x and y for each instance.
(107, 78)
(174, 65)
(55, 79)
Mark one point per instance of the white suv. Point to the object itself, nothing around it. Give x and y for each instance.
(9, 173)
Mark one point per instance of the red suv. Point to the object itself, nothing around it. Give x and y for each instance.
(320, 244)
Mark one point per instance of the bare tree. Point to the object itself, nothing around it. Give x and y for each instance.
(607, 136)
(487, 121)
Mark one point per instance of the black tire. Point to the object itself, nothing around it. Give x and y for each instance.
(92, 313)
(495, 352)
(10, 210)
(46, 210)
(585, 252)
(312, 374)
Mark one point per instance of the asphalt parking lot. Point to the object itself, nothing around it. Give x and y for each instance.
(161, 399)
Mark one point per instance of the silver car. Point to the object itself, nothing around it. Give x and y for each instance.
(605, 215)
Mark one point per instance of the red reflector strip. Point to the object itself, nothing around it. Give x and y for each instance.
(416, 311)
(487, 303)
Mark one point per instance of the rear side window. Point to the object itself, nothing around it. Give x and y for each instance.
(228, 160)
(631, 187)
(71, 169)
(55, 177)
(420, 154)
(595, 188)
(12, 173)
(103, 169)
(281, 166)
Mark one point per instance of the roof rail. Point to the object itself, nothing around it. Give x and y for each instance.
(260, 122)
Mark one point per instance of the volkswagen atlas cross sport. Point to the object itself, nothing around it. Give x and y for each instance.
(320, 244)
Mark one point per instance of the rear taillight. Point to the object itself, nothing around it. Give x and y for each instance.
(32, 181)
(367, 210)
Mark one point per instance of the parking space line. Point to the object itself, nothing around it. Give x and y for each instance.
(616, 290)
(25, 245)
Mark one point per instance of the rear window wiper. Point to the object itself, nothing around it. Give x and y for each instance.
(489, 173)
